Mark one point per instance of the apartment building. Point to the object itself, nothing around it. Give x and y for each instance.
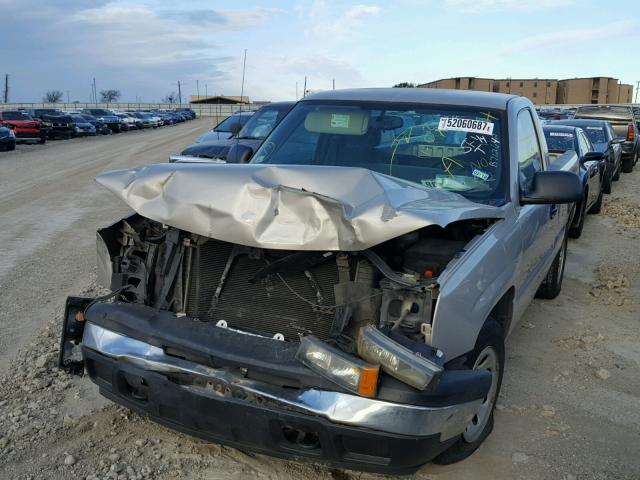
(541, 91)
(546, 91)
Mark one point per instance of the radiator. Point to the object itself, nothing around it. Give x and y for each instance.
(266, 307)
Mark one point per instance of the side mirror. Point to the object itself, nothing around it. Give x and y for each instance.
(552, 187)
(239, 153)
(235, 128)
(619, 140)
(593, 156)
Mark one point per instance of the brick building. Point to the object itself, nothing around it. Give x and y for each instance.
(546, 91)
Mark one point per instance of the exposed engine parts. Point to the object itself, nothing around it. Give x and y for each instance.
(330, 295)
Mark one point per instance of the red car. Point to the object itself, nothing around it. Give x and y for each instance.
(26, 128)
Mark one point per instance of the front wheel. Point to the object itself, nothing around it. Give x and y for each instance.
(488, 354)
(616, 175)
(607, 182)
(552, 283)
(596, 207)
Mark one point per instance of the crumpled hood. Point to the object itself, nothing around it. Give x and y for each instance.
(292, 207)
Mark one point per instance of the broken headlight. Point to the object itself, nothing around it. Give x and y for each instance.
(396, 360)
(349, 372)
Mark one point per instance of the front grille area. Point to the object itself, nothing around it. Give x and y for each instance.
(266, 307)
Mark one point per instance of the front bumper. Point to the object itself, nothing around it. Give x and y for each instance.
(318, 425)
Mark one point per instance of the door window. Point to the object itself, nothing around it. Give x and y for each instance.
(529, 156)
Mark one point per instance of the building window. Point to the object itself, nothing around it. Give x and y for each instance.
(535, 84)
(522, 84)
(508, 84)
(535, 94)
(548, 84)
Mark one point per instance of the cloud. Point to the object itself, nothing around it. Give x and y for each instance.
(227, 19)
(131, 47)
(330, 21)
(568, 37)
(482, 6)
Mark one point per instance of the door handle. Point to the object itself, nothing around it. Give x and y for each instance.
(553, 210)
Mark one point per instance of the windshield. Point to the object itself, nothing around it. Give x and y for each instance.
(449, 148)
(596, 134)
(15, 116)
(225, 125)
(559, 141)
(261, 123)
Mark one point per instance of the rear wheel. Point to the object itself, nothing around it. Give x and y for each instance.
(488, 354)
(627, 164)
(552, 283)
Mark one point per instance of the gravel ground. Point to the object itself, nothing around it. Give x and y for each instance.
(569, 407)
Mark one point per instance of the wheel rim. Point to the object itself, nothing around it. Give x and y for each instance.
(487, 360)
(563, 254)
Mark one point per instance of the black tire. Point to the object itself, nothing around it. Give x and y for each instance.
(552, 283)
(11, 147)
(635, 158)
(43, 140)
(596, 207)
(576, 230)
(627, 164)
(607, 182)
(490, 338)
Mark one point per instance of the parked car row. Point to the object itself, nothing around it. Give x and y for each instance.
(605, 137)
(336, 279)
(41, 124)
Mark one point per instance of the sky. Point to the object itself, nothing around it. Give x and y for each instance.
(143, 48)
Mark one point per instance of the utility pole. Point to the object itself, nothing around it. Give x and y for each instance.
(6, 88)
(95, 91)
(206, 94)
(198, 89)
(304, 89)
(68, 101)
(179, 93)
(296, 91)
(635, 99)
(334, 83)
(244, 66)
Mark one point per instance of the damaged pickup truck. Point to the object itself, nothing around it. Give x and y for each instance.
(345, 297)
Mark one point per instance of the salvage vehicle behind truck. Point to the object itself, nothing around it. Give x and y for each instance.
(346, 296)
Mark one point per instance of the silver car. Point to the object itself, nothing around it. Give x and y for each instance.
(344, 298)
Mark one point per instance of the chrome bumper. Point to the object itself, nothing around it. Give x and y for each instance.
(337, 407)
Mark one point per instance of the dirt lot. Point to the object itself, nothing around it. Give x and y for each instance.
(569, 407)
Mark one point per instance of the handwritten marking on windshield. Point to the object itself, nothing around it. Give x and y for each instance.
(448, 163)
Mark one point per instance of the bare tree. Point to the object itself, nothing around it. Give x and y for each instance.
(170, 98)
(108, 96)
(52, 96)
(404, 85)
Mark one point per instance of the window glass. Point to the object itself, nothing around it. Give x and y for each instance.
(584, 144)
(596, 134)
(260, 124)
(559, 141)
(449, 148)
(529, 157)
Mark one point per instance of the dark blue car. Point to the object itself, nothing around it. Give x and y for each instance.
(561, 138)
(604, 140)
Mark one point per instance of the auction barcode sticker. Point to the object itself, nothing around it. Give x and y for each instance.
(466, 125)
(561, 134)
